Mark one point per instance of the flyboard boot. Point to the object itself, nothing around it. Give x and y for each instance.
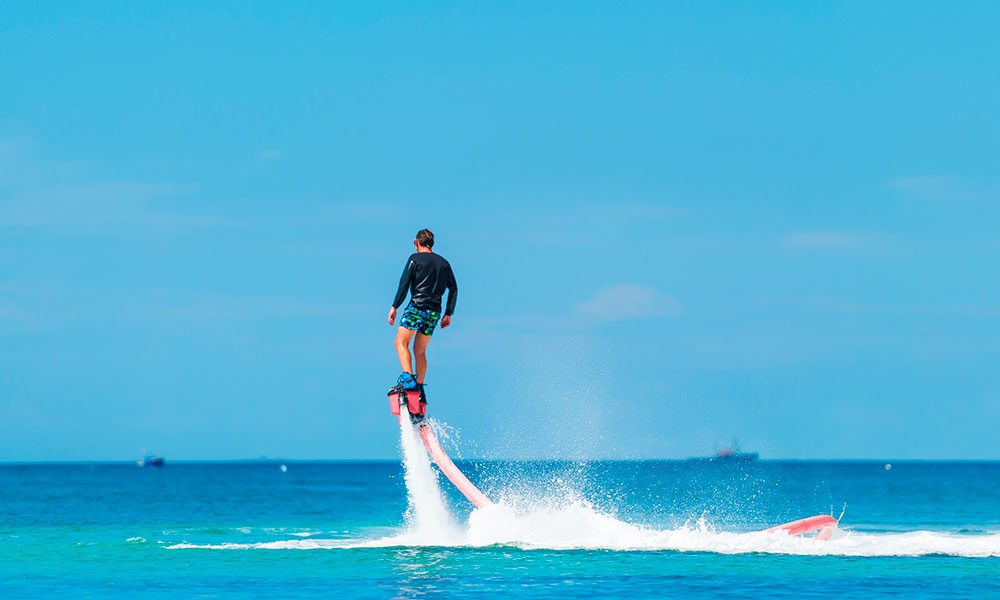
(410, 394)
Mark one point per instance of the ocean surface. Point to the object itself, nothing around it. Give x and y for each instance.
(559, 530)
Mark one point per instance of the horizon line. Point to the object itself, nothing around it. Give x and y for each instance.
(467, 460)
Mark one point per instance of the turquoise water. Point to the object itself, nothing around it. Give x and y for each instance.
(564, 529)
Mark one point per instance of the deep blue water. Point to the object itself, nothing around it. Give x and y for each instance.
(605, 529)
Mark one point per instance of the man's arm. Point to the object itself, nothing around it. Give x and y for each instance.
(452, 299)
(404, 286)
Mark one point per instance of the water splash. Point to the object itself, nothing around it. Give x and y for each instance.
(427, 515)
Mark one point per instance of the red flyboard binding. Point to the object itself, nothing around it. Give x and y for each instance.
(415, 405)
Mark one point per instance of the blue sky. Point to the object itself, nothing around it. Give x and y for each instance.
(673, 224)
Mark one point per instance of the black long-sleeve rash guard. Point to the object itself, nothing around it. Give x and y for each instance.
(426, 276)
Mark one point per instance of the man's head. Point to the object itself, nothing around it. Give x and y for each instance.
(425, 239)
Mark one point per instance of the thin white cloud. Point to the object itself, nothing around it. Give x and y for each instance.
(627, 301)
(11, 149)
(270, 155)
(10, 311)
(631, 212)
(923, 184)
(828, 240)
(108, 203)
(826, 304)
(192, 306)
(549, 225)
(943, 188)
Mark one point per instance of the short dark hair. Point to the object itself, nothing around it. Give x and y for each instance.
(425, 238)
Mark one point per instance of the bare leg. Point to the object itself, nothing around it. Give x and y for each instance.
(420, 351)
(403, 337)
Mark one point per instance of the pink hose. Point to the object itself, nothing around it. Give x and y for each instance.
(450, 470)
(819, 522)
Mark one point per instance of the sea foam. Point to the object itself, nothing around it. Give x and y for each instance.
(580, 526)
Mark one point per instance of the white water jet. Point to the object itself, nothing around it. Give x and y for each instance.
(427, 515)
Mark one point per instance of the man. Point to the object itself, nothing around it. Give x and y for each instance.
(426, 276)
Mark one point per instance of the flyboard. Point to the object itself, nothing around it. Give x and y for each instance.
(409, 404)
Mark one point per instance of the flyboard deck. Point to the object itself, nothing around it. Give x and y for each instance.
(415, 411)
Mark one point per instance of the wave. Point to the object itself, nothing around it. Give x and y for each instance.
(579, 526)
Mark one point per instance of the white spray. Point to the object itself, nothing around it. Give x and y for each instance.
(427, 516)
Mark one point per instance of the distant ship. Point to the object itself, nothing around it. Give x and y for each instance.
(728, 455)
(151, 461)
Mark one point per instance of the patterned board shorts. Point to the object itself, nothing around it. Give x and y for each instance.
(423, 321)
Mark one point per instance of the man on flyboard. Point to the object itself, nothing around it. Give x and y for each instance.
(426, 276)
